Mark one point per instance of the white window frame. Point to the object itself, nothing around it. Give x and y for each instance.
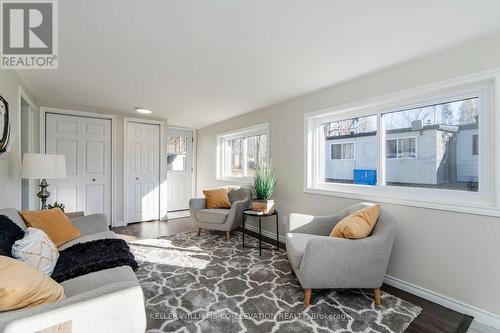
(397, 148)
(342, 151)
(260, 129)
(484, 202)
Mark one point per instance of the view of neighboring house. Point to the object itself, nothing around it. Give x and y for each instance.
(431, 155)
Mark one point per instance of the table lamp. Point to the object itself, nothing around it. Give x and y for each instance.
(43, 166)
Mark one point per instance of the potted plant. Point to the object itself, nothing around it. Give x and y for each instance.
(56, 204)
(264, 184)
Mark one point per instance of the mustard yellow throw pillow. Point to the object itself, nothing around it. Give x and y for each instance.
(53, 222)
(217, 198)
(25, 286)
(357, 225)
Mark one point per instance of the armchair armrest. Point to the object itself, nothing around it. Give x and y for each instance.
(197, 204)
(235, 216)
(308, 224)
(91, 224)
(100, 310)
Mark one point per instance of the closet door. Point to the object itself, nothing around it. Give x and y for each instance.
(142, 172)
(86, 144)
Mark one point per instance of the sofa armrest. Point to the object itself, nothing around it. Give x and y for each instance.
(117, 307)
(345, 263)
(91, 224)
(308, 224)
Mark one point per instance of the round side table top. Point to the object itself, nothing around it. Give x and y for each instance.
(256, 213)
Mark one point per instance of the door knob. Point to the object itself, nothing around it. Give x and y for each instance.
(136, 178)
(93, 179)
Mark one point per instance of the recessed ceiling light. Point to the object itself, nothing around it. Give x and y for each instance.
(143, 110)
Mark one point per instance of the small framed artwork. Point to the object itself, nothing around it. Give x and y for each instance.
(4, 125)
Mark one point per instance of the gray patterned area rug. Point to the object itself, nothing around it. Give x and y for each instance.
(209, 284)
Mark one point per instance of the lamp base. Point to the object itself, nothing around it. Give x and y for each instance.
(43, 194)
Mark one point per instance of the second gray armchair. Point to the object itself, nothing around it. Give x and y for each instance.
(219, 218)
(323, 262)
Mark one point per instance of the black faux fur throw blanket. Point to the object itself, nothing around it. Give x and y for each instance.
(84, 258)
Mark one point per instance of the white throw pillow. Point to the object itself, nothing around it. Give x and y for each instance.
(36, 249)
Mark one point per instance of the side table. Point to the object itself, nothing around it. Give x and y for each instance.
(260, 215)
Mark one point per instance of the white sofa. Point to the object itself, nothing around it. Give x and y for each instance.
(106, 301)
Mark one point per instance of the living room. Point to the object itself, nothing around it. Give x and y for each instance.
(250, 166)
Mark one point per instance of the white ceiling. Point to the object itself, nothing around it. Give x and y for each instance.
(197, 62)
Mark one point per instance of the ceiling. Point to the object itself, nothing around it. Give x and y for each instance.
(197, 62)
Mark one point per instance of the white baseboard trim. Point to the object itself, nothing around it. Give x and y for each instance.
(118, 224)
(481, 316)
(266, 233)
(178, 214)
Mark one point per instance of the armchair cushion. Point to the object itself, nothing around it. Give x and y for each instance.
(357, 225)
(214, 215)
(217, 198)
(296, 246)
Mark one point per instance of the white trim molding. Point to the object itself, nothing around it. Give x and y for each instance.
(485, 201)
(482, 316)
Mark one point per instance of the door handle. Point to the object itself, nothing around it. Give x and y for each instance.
(93, 179)
(136, 178)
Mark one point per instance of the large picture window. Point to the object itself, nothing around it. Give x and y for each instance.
(241, 152)
(425, 150)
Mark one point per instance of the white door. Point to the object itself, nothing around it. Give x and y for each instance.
(142, 176)
(86, 144)
(179, 169)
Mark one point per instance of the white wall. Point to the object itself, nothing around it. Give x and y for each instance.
(453, 254)
(10, 162)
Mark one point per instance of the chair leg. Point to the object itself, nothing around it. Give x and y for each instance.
(307, 297)
(228, 235)
(376, 296)
(199, 232)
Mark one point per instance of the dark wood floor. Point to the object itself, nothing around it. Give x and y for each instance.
(434, 317)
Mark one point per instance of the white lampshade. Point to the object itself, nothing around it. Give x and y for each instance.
(43, 166)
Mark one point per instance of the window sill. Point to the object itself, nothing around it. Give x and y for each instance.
(391, 195)
(237, 180)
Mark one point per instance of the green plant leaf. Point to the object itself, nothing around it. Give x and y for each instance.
(264, 182)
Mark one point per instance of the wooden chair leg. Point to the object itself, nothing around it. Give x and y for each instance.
(228, 235)
(307, 297)
(376, 296)
(199, 232)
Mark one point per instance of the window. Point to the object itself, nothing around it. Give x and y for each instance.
(421, 148)
(241, 152)
(176, 153)
(342, 151)
(401, 148)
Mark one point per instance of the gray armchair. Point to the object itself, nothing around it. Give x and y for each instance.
(218, 218)
(323, 262)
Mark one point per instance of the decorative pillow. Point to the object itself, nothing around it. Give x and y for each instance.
(217, 198)
(9, 234)
(37, 250)
(24, 286)
(53, 222)
(357, 225)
